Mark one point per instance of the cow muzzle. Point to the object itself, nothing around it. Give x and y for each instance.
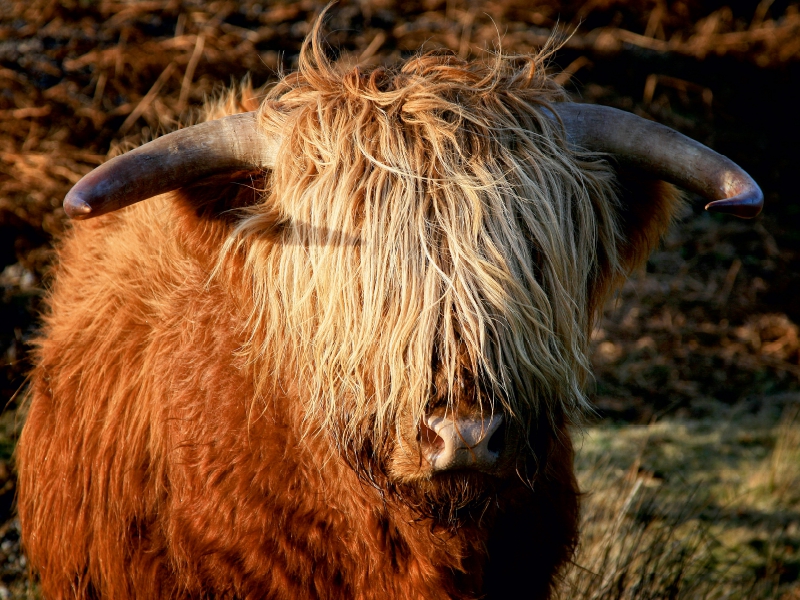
(463, 443)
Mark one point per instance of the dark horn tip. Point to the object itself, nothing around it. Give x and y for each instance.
(746, 205)
(76, 207)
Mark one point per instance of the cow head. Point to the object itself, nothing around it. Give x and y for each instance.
(430, 248)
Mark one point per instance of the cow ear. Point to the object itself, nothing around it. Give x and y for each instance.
(221, 198)
(208, 210)
(647, 209)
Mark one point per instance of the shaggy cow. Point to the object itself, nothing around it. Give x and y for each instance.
(338, 353)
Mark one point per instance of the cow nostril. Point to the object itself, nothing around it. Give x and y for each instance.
(498, 439)
(430, 438)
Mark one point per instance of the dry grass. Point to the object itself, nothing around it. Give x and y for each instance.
(779, 479)
(704, 510)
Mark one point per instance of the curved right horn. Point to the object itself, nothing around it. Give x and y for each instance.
(663, 153)
(230, 144)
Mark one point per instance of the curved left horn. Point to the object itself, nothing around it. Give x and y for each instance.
(663, 153)
(172, 161)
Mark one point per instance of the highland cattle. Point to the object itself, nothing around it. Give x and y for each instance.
(337, 350)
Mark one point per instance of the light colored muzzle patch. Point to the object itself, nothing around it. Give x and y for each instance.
(462, 443)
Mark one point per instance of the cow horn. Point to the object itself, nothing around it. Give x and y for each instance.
(234, 143)
(664, 153)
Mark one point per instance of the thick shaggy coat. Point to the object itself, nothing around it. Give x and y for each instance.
(230, 377)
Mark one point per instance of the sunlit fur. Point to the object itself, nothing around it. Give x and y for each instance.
(430, 208)
(216, 361)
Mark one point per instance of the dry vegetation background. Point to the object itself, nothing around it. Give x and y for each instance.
(694, 462)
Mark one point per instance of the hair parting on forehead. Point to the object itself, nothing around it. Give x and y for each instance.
(430, 209)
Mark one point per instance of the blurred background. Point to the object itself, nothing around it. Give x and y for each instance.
(693, 458)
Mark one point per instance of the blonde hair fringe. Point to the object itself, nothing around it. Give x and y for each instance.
(432, 209)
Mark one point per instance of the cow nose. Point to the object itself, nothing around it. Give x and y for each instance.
(462, 443)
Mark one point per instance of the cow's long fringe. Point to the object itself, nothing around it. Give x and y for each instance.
(428, 210)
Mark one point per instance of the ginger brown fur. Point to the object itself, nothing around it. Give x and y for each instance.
(197, 428)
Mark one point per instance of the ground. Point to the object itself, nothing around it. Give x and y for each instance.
(692, 463)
